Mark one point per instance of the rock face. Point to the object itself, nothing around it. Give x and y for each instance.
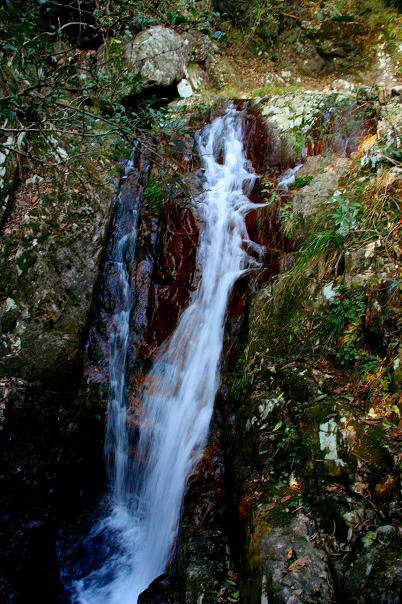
(302, 123)
(51, 272)
(8, 175)
(291, 568)
(334, 38)
(314, 449)
(52, 246)
(298, 489)
(203, 565)
(159, 592)
(324, 43)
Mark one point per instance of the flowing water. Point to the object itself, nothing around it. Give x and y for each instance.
(179, 393)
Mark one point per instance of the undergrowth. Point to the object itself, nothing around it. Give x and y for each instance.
(293, 318)
(154, 195)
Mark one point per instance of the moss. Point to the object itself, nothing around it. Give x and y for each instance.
(372, 447)
(279, 515)
(302, 181)
(275, 90)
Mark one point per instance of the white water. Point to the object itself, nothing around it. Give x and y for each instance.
(288, 178)
(179, 394)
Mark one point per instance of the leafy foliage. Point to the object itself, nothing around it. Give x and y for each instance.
(345, 214)
(53, 89)
(154, 195)
(342, 327)
(302, 181)
(64, 80)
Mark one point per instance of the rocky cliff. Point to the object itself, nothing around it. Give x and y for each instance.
(297, 498)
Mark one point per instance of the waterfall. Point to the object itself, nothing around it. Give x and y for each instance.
(178, 395)
(121, 256)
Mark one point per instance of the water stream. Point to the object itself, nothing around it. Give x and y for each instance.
(178, 395)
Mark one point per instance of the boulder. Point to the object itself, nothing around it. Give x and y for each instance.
(376, 576)
(334, 38)
(162, 57)
(159, 55)
(199, 44)
(184, 89)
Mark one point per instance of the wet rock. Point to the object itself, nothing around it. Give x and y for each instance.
(294, 119)
(32, 555)
(203, 552)
(159, 592)
(173, 270)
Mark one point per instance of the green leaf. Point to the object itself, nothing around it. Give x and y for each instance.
(369, 538)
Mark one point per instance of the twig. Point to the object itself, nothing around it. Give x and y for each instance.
(57, 131)
(291, 16)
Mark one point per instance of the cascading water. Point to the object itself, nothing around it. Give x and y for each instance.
(180, 390)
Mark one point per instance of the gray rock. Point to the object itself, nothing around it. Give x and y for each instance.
(389, 137)
(159, 55)
(199, 44)
(50, 282)
(334, 38)
(8, 173)
(197, 76)
(291, 120)
(375, 577)
(184, 89)
(322, 186)
(293, 568)
(306, 56)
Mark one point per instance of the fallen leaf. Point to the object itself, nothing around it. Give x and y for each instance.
(298, 564)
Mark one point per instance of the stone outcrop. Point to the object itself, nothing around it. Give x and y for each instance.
(55, 239)
(160, 55)
(8, 174)
(302, 123)
(52, 244)
(313, 432)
